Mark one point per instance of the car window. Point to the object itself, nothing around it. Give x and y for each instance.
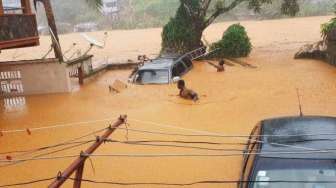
(249, 159)
(305, 175)
(178, 69)
(249, 163)
(187, 62)
(152, 77)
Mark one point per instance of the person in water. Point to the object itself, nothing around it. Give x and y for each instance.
(186, 93)
(220, 67)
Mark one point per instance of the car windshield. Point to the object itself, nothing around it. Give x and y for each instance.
(160, 76)
(317, 178)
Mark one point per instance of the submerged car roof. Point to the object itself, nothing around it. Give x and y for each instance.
(160, 63)
(299, 134)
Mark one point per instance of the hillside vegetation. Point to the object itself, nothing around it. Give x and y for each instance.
(156, 13)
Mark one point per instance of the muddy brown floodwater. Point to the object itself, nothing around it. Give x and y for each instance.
(231, 103)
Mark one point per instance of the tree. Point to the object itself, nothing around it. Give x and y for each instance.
(326, 28)
(183, 32)
(234, 43)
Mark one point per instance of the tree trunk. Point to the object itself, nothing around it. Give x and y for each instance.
(197, 42)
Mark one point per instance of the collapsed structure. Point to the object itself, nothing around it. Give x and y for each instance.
(38, 76)
(322, 50)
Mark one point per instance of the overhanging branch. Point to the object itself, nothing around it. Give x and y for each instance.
(220, 11)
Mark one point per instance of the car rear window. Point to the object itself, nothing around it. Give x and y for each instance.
(187, 62)
(314, 171)
(315, 177)
(178, 69)
(153, 76)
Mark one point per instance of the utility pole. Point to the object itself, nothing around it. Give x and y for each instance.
(78, 165)
(1, 8)
(52, 24)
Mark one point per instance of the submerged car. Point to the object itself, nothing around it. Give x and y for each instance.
(166, 69)
(162, 70)
(291, 152)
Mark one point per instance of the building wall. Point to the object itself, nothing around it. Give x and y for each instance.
(41, 78)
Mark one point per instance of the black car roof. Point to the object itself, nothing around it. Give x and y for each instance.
(299, 134)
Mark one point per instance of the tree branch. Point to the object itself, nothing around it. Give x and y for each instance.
(205, 6)
(220, 11)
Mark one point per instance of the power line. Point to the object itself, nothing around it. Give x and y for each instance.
(134, 155)
(28, 183)
(186, 142)
(46, 154)
(207, 133)
(152, 123)
(82, 123)
(68, 142)
(169, 145)
(249, 139)
(40, 158)
(221, 136)
(204, 134)
(198, 182)
(202, 155)
(224, 136)
(126, 142)
(252, 152)
(37, 149)
(149, 143)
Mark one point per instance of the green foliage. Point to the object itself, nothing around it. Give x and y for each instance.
(234, 43)
(156, 13)
(326, 28)
(290, 7)
(184, 32)
(179, 34)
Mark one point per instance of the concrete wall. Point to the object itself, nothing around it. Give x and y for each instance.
(41, 77)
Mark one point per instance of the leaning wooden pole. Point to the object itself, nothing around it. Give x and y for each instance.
(78, 165)
(1, 8)
(52, 25)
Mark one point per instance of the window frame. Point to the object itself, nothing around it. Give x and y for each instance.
(249, 160)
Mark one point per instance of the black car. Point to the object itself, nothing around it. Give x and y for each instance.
(291, 152)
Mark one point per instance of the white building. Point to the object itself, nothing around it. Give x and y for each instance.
(110, 7)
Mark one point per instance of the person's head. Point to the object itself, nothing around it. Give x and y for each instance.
(221, 62)
(180, 84)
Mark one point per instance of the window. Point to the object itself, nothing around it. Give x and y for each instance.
(249, 159)
(178, 69)
(152, 77)
(292, 174)
(12, 6)
(14, 102)
(11, 82)
(10, 75)
(187, 62)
